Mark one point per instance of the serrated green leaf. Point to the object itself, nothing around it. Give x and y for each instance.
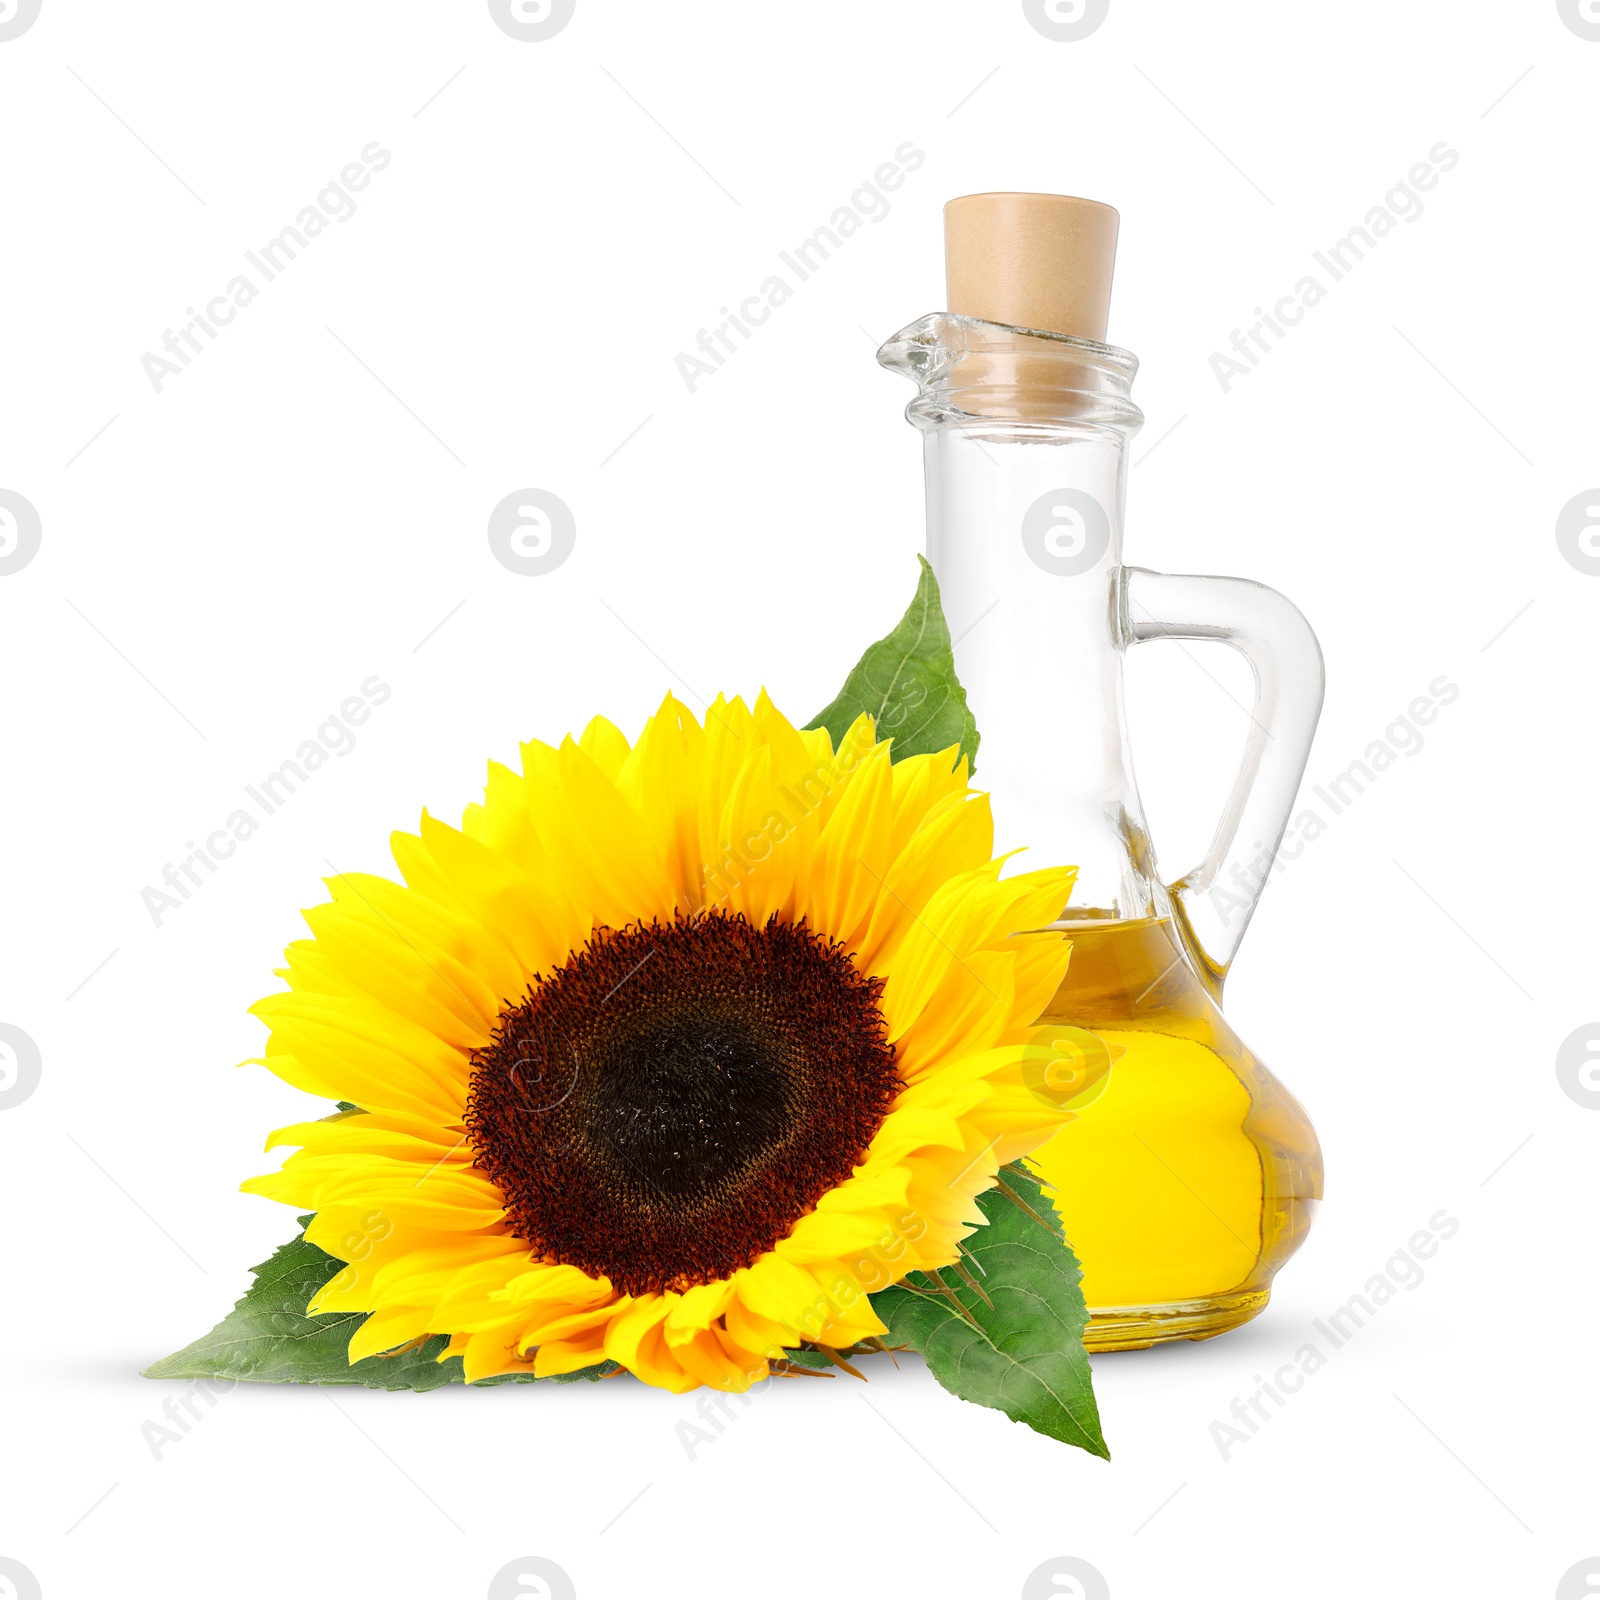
(907, 684)
(268, 1338)
(1023, 1354)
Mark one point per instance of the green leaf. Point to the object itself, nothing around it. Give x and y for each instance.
(907, 684)
(1023, 1354)
(802, 1357)
(268, 1338)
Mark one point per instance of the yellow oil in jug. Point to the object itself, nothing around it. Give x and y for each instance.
(1189, 1173)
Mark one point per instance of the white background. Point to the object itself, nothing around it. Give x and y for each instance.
(306, 506)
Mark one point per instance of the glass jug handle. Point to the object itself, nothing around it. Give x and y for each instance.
(1216, 899)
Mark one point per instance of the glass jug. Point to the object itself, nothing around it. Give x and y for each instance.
(1189, 1174)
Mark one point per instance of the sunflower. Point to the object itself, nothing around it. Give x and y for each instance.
(670, 1056)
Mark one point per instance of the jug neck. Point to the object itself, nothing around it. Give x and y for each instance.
(1025, 446)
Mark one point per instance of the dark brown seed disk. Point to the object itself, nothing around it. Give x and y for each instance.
(665, 1106)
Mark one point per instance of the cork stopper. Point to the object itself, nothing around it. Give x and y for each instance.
(1032, 260)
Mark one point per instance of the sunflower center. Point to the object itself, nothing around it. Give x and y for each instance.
(665, 1106)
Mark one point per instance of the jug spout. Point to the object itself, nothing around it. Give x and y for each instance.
(966, 367)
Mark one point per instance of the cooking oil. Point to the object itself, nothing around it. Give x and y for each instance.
(1189, 1173)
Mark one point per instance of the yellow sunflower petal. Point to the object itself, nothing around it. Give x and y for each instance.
(604, 744)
